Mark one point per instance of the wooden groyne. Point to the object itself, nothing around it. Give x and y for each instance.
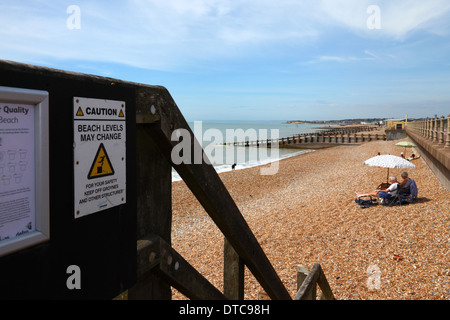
(320, 139)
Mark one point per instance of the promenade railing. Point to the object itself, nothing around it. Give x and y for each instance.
(434, 129)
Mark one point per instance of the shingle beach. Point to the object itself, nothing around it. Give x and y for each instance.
(306, 214)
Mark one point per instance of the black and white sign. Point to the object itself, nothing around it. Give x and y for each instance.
(17, 176)
(24, 168)
(99, 155)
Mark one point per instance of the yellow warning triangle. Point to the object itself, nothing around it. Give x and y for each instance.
(121, 114)
(101, 167)
(80, 112)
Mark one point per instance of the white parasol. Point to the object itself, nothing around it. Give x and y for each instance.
(389, 161)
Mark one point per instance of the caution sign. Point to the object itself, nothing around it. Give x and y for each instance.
(99, 155)
(101, 167)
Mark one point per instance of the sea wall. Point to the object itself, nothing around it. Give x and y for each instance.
(432, 138)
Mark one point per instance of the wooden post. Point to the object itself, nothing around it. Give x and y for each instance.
(302, 273)
(154, 193)
(233, 273)
(309, 284)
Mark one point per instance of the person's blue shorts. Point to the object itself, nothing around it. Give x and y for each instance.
(384, 195)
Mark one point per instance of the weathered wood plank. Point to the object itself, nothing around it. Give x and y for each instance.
(233, 273)
(157, 260)
(176, 271)
(206, 185)
(327, 293)
(302, 274)
(149, 285)
(308, 287)
(154, 197)
(309, 284)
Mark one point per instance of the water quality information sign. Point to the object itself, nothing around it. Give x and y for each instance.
(17, 171)
(99, 155)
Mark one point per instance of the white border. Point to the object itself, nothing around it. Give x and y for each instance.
(40, 99)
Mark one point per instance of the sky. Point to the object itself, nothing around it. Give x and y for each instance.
(250, 59)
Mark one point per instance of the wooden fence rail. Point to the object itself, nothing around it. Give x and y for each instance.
(158, 117)
(155, 126)
(307, 290)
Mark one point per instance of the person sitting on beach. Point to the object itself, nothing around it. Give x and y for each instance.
(413, 157)
(402, 155)
(406, 182)
(389, 192)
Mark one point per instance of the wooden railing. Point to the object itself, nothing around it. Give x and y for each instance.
(307, 282)
(434, 129)
(157, 118)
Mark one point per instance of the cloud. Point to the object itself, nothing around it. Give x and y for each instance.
(177, 34)
(369, 56)
(398, 18)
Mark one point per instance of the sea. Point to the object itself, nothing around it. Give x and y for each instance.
(212, 135)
